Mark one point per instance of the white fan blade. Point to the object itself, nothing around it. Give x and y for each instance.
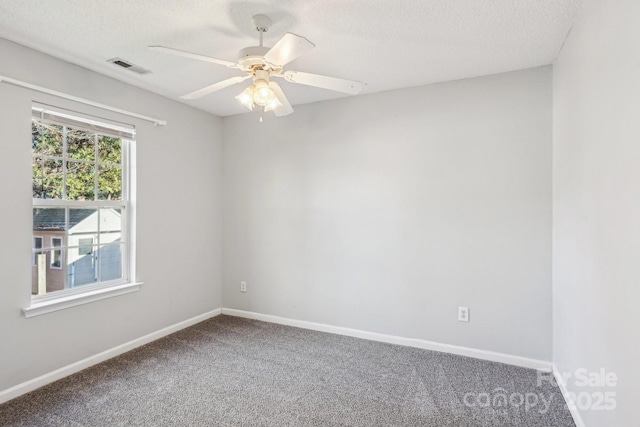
(332, 83)
(286, 108)
(288, 48)
(194, 56)
(214, 87)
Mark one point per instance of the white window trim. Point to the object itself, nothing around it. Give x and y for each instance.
(60, 300)
(68, 300)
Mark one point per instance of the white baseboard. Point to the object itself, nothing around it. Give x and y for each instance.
(577, 418)
(50, 377)
(392, 339)
(25, 387)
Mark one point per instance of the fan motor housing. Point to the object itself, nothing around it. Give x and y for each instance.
(251, 56)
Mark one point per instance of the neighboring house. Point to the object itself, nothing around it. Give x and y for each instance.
(90, 248)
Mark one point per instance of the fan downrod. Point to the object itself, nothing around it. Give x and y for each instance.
(252, 58)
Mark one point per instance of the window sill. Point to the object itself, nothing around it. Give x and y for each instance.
(68, 301)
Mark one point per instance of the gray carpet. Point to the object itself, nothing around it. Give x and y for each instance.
(230, 371)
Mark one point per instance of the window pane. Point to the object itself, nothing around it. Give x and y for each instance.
(110, 259)
(46, 139)
(51, 220)
(111, 220)
(52, 180)
(82, 266)
(82, 221)
(37, 174)
(80, 181)
(37, 167)
(46, 178)
(109, 149)
(110, 183)
(80, 144)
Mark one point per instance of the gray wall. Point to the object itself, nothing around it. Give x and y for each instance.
(386, 212)
(179, 220)
(596, 234)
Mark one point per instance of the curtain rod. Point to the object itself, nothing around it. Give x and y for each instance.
(156, 122)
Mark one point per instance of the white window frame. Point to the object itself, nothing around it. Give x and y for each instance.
(70, 297)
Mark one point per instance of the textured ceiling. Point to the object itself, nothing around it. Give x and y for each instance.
(385, 44)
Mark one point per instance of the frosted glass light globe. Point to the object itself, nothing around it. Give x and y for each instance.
(262, 93)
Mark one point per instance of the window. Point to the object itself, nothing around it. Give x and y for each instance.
(56, 253)
(86, 246)
(81, 206)
(37, 245)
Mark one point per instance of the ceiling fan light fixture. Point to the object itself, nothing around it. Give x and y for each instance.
(273, 105)
(261, 63)
(262, 93)
(246, 97)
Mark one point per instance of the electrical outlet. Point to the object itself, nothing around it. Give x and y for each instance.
(463, 314)
(243, 286)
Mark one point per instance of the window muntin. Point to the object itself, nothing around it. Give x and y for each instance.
(80, 200)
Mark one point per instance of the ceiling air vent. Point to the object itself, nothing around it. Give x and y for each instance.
(129, 66)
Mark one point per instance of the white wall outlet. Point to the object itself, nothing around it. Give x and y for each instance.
(463, 314)
(243, 286)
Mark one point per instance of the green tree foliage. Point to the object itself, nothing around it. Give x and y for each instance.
(110, 169)
(47, 160)
(93, 166)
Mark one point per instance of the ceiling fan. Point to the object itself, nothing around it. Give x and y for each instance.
(261, 63)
